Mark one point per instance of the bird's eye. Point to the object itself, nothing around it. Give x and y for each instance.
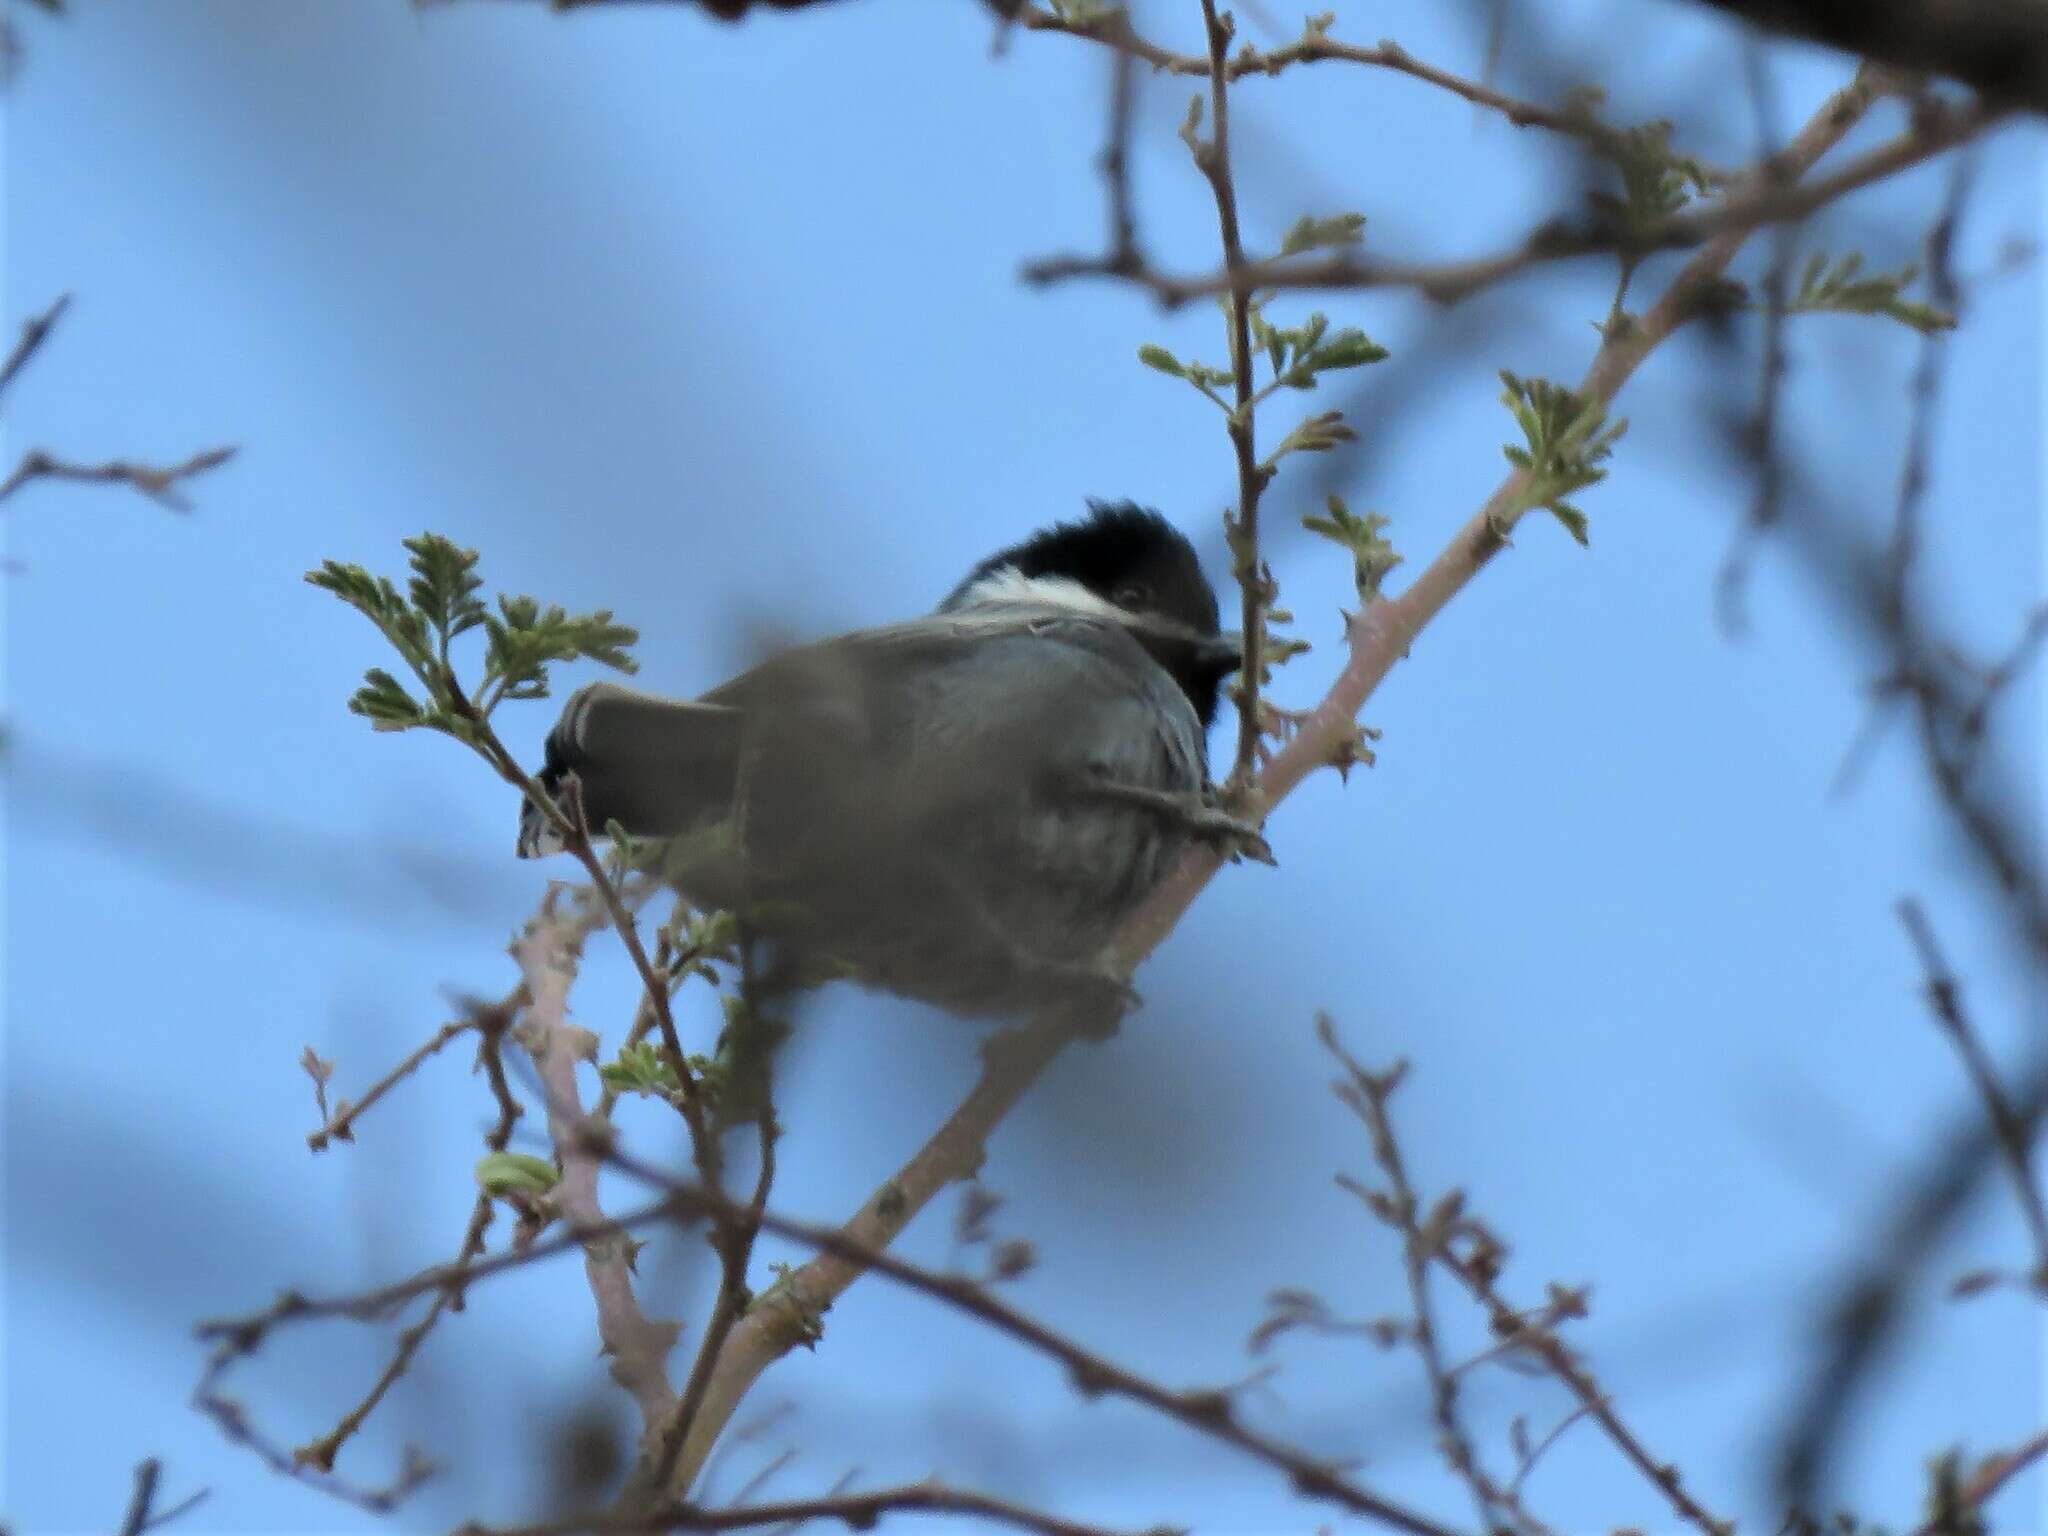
(1133, 596)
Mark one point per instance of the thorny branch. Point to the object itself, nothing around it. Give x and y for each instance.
(1381, 633)
(1379, 636)
(1212, 158)
(637, 1346)
(777, 1323)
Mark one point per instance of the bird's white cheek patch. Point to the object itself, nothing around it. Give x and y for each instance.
(1009, 585)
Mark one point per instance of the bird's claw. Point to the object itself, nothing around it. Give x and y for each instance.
(1200, 815)
(1230, 834)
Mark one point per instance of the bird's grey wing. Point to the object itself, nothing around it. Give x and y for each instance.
(940, 701)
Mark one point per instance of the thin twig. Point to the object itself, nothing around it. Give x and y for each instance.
(1417, 1253)
(1477, 1270)
(1751, 203)
(143, 1515)
(1945, 999)
(1012, 1061)
(340, 1126)
(858, 1511)
(1993, 1473)
(1209, 1413)
(1760, 439)
(1536, 1453)
(34, 332)
(245, 1333)
(159, 482)
(1114, 30)
(1212, 158)
(734, 1241)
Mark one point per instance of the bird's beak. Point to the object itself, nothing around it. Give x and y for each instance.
(1187, 652)
(1219, 656)
(1222, 655)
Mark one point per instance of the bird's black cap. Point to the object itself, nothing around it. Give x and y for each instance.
(1132, 557)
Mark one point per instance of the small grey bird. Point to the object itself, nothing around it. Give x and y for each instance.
(960, 808)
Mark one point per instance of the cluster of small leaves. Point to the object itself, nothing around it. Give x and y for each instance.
(1297, 356)
(1204, 376)
(1299, 353)
(1279, 649)
(1566, 441)
(640, 1068)
(698, 939)
(1372, 556)
(440, 605)
(1842, 287)
(1656, 182)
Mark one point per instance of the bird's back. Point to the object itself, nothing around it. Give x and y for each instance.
(909, 805)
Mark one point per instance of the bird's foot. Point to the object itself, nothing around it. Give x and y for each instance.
(1201, 816)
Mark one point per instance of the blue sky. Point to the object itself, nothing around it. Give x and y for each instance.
(719, 327)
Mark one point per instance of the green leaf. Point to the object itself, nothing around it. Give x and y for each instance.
(386, 705)
(1349, 348)
(1656, 182)
(1842, 287)
(1152, 355)
(1311, 234)
(378, 601)
(1318, 434)
(516, 1173)
(1566, 442)
(439, 606)
(524, 639)
(641, 1068)
(1371, 554)
(444, 584)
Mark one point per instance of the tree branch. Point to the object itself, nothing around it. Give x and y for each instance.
(1756, 199)
(637, 1346)
(1212, 158)
(160, 482)
(857, 1511)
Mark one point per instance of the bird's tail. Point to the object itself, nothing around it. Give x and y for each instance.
(656, 766)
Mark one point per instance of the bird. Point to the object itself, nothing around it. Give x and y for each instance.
(959, 808)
